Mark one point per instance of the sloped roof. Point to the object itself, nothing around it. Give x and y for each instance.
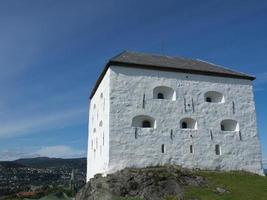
(167, 63)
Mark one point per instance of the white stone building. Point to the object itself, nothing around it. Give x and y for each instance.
(151, 110)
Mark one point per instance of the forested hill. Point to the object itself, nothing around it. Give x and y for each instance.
(44, 162)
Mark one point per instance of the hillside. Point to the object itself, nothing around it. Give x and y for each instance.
(10, 164)
(175, 183)
(44, 162)
(38, 174)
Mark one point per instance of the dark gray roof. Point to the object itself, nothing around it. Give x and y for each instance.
(167, 63)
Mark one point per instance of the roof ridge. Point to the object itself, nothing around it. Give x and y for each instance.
(118, 55)
(151, 54)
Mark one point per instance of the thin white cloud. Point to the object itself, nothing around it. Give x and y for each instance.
(57, 151)
(7, 155)
(29, 124)
(60, 151)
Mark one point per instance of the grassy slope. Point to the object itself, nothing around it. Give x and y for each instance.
(241, 186)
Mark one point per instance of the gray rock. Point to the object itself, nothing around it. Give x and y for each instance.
(152, 183)
(221, 190)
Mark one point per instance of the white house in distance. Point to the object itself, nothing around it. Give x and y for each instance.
(150, 110)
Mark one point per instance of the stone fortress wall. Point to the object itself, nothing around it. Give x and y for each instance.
(185, 128)
(143, 117)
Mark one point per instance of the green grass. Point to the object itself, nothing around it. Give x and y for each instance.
(241, 186)
(127, 198)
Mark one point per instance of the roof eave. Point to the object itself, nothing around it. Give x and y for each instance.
(153, 67)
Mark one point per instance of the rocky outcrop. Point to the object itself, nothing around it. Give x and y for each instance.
(152, 183)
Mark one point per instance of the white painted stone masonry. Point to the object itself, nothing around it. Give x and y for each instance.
(128, 92)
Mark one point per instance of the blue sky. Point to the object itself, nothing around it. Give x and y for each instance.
(51, 53)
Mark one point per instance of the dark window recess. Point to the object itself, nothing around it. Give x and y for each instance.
(217, 149)
(233, 107)
(240, 135)
(191, 149)
(162, 148)
(160, 96)
(222, 128)
(208, 99)
(211, 135)
(146, 124)
(135, 133)
(185, 105)
(184, 125)
(144, 101)
(171, 134)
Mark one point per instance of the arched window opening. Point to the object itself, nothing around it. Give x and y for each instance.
(146, 124)
(144, 121)
(184, 125)
(229, 125)
(160, 96)
(214, 97)
(188, 123)
(163, 92)
(208, 99)
(217, 149)
(101, 123)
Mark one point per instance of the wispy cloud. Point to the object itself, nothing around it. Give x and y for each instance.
(6, 155)
(57, 151)
(60, 151)
(29, 124)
